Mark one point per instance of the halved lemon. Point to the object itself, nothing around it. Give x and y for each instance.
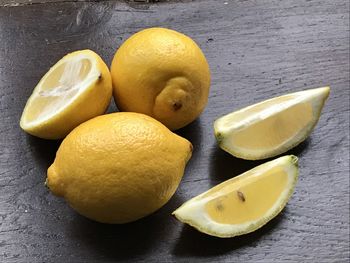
(244, 203)
(271, 127)
(77, 88)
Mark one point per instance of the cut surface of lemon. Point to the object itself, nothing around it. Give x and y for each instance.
(271, 127)
(244, 203)
(77, 88)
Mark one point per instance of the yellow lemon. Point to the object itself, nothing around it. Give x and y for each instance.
(77, 88)
(119, 167)
(161, 73)
(244, 203)
(271, 127)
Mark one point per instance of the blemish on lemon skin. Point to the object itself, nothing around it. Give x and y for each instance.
(177, 106)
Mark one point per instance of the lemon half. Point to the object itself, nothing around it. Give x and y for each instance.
(244, 203)
(271, 127)
(77, 88)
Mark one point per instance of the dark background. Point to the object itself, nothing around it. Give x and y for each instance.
(256, 50)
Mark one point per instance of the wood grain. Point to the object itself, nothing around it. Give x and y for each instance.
(256, 50)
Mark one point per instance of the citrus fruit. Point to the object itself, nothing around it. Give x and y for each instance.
(161, 73)
(77, 88)
(119, 167)
(244, 203)
(271, 127)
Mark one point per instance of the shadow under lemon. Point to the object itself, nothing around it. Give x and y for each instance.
(126, 241)
(224, 166)
(44, 151)
(193, 133)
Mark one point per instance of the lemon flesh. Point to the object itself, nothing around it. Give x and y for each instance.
(75, 89)
(244, 203)
(271, 127)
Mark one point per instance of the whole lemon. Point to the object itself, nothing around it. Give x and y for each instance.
(119, 167)
(161, 73)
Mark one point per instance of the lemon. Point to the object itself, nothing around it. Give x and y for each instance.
(77, 88)
(161, 73)
(244, 203)
(271, 127)
(119, 167)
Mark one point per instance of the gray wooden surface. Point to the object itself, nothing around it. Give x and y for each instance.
(256, 50)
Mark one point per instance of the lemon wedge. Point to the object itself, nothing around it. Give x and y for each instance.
(244, 203)
(77, 88)
(271, 127)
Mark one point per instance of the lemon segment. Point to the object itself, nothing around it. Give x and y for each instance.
(77, 88)
(244, 203)
(271, 127)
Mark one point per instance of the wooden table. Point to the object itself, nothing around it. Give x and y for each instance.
(256, 50)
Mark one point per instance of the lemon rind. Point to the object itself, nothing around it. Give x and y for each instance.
(189, 211)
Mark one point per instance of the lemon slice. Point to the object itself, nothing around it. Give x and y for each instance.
(271, 127)
(244, 203)
(77, 88)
